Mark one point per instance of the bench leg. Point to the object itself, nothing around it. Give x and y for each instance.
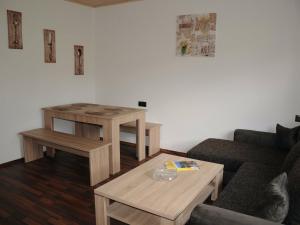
(154, 141)
(50, 152)
(31, 150)
(49, 124)
(99, 165)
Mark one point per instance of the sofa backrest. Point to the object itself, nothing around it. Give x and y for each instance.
(259, 138)
(291, 158)
(293, 217)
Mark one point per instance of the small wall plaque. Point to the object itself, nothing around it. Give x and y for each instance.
(49, 46)
(79, 59)
(14, 22)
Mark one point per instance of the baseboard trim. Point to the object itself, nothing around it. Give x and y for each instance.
(167, 151)
(172, 152)
(182, 154)
(11, 163)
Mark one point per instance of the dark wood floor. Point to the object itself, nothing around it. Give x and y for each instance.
(52, 191)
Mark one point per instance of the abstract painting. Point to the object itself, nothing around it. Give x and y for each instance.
(196, 35)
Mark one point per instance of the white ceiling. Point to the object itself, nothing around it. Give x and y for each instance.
(98, 3)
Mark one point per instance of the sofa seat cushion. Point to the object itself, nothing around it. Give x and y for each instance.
(246, 188)
(233, 154)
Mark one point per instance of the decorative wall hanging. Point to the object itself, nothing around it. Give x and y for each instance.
(79, 59)
(14, 22)
(49, 46)
(196, 35)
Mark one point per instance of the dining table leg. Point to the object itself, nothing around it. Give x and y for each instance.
(140, 137)
(111, 133)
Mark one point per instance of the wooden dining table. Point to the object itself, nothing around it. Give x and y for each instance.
(89, 118)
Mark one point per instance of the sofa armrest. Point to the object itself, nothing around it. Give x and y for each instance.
(263, 139)
(211, 215)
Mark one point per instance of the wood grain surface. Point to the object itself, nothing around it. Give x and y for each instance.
(52, 191)
(165, 199)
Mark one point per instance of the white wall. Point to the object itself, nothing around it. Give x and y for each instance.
(253, 82)
(26, 83)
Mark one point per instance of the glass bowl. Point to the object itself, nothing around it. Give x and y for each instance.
(162, 174)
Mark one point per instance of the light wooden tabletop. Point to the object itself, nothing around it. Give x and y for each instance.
(163, 198)
(93, 110)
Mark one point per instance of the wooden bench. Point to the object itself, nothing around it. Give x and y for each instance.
(152, 131)
(97, 152)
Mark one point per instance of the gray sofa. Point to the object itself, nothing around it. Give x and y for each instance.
(251, 161)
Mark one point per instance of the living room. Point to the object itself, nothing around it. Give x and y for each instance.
(130, 58)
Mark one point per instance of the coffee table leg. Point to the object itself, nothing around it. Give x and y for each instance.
(218, 186)
(101, 205)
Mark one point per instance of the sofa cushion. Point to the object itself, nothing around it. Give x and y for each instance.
(234, 154)
(286, 138)
(291, 158)
(246, 188)
(259, 138)
(293, 217)
(210, 215)
(274, 205)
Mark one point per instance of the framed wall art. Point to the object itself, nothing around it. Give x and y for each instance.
(14, 23)
(196, 35)
(49, 46)
(79, 59)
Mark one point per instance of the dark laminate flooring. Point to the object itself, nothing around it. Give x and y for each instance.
(52, 191)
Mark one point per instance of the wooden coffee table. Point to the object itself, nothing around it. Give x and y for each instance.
(136, 199)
